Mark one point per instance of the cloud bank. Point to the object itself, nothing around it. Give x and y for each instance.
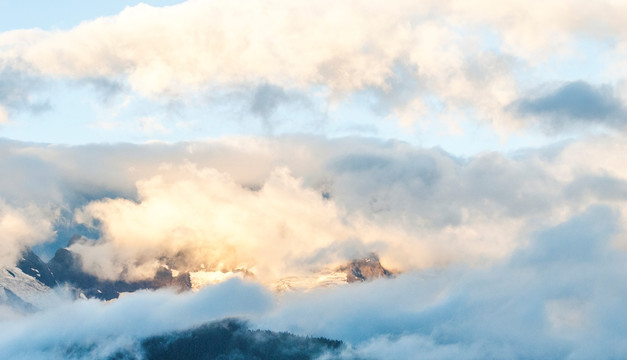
(93, 329)
(501, 256)
(292, 205)
(558, 297)
(416, 57)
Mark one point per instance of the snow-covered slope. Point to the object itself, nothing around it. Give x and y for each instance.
(367, 268)
(20, 291)
(358, 270)
(322, 279)
(25, 287)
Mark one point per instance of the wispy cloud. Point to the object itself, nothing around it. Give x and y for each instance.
(19, 90)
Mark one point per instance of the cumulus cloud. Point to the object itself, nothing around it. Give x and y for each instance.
(22, 227)
(189, 218)
(206, 219)
(411, 60)
(324, 201)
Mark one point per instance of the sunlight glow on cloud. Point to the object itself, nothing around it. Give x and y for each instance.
(22, 227)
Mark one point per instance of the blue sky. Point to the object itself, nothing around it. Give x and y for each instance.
(62, 15)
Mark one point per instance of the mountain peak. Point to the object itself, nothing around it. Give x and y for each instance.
(32, 265)
(367, 268)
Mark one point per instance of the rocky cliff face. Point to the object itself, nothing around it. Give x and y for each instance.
(32, 265)
(367, 268)
(24, 286)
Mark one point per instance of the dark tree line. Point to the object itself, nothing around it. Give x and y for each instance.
(231, 339)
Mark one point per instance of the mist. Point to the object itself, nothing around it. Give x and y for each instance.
(559, 297)
(495, 256)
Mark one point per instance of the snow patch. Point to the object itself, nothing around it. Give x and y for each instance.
(316, 280)
(203, 278)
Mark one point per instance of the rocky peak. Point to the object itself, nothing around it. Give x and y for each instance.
(68, 268)
(363, 269)
(32, 265)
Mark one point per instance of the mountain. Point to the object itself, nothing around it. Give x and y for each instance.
(32, 265)
(358, 270)
(31, 277)
(364, 269)
(21, 292)
(67, 268)
(23, 286)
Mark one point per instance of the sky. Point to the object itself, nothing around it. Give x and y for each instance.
(476, 147)
(458, 81)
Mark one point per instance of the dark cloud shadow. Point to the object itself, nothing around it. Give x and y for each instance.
(402, 86)
(573, 105)
(106, 89)
(19, 90)
(266, 101)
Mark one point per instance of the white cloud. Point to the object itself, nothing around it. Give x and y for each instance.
(465, 55)
(554, 298)
(504, 256)
(20, 228)
(533, 306)
(90, 329)
(205, 218)
(236, 198)
(559, 297)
